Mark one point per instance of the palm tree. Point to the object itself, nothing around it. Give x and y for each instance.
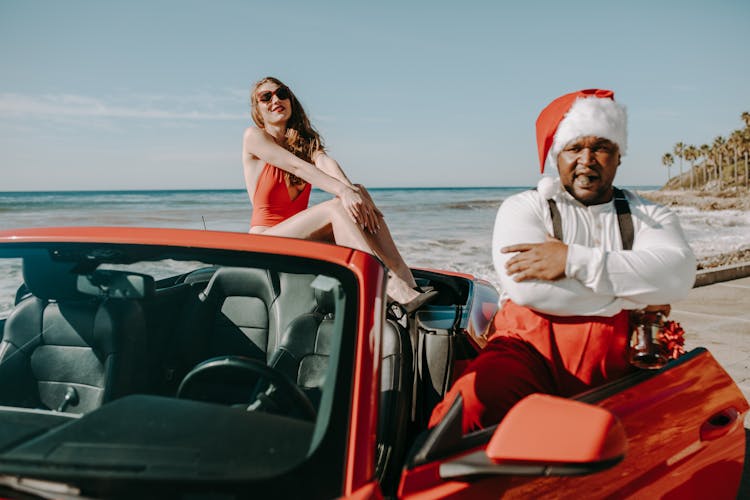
(679, 151)
(744, 149)
(691, 154)
(705, 151)
(718, 150)
(746, 118)
(735, 143)
(667, 160)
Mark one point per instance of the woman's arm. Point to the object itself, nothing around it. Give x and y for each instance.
(330, 167)
(259, 144)
(370, 212)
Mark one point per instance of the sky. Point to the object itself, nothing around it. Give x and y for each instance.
(114, 95)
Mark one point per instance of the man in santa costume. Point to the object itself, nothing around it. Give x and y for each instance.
(574, 257)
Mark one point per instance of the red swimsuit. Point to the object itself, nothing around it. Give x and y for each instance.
(271, 201)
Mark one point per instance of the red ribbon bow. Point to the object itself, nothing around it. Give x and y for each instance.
(671, 339)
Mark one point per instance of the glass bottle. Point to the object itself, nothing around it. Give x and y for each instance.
(645, 351)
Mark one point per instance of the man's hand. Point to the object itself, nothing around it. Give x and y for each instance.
(665, 309)
(537, 261)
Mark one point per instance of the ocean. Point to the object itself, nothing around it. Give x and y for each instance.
(445, 228)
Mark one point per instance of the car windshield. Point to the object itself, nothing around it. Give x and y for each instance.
(171, 364)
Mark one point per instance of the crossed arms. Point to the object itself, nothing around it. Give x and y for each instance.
(572, 278)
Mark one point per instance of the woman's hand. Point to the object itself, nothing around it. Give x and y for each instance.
(360, 207)
(372, 215)
(352, 201)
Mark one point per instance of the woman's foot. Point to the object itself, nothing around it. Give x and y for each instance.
(401, 308)
(408, 298)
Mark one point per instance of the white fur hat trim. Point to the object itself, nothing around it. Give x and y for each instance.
(590, 116)
(548, 186)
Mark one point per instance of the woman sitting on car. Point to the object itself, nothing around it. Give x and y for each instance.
(282, 156)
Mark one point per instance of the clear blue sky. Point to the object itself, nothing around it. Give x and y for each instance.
(154, 94)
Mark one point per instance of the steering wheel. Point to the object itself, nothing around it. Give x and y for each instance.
(280, 385)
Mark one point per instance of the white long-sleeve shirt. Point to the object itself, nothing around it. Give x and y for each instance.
(601, 278)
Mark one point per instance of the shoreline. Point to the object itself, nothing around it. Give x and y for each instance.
(734, 199)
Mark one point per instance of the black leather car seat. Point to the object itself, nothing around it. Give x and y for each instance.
(296, 297)
(66, 350)
(304, 349)
(303, 354)
(396, 375)
(234, 315)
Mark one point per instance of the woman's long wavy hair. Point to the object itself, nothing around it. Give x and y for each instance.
(302, 140)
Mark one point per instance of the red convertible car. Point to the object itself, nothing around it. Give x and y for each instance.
(163, 363)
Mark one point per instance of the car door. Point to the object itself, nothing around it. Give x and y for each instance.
(683, 438)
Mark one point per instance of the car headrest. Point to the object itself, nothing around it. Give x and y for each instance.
(325, 300)
(51, 280)
(241, 281)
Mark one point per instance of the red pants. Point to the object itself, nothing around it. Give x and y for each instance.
(530, 352)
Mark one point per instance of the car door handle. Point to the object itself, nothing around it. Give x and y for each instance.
(719, 424)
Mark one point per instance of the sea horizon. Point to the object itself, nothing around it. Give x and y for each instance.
(220, 190)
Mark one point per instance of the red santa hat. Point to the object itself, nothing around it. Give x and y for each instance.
(578, 114)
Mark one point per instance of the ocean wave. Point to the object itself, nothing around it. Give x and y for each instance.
(450, 243)
(472, 204)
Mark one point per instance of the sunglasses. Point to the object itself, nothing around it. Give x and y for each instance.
(282, 93)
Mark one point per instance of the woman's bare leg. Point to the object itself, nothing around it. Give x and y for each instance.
(384, 247)
(320, 221)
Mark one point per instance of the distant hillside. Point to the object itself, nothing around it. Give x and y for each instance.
(721, 166)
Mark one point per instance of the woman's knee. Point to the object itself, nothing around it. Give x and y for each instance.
(335, 209)
(334, 204)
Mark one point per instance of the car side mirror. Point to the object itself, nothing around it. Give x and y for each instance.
(545, 435)
(553, 430)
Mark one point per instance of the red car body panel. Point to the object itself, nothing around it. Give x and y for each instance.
(663, 417)
(363, 426)
(180, 237)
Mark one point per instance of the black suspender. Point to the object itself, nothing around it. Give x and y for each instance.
(624, 219)
(556, 220)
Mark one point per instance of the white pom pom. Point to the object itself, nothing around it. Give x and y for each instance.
(548, 186)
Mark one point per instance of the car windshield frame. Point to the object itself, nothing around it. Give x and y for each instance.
(323, 466)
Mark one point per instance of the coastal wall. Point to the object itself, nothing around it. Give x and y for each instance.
(719, 274)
